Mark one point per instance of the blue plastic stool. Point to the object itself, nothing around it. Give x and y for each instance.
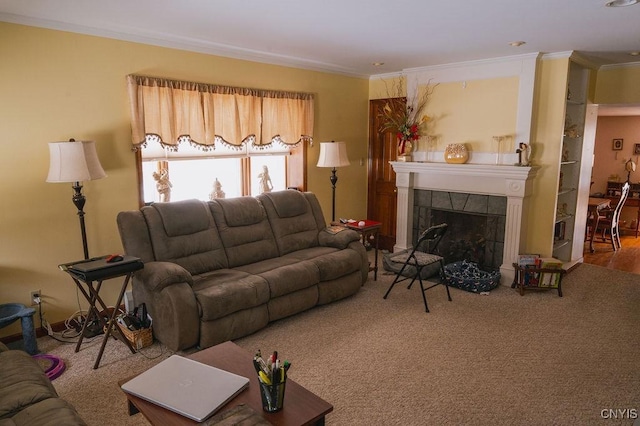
(10, 312)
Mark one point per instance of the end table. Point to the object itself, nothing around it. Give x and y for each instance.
(370, 229)
(88, 276)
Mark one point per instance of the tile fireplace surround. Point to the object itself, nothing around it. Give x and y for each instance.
(513, 182)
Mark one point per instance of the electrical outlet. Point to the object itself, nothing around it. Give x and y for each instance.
(36, 297)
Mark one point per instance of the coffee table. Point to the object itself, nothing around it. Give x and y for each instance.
(301, 407)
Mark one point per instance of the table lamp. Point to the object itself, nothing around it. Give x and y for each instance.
(75, 161)
(629, 166)
(333, 154)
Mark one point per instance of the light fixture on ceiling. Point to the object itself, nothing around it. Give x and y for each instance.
(621, 3)
(517, 43)
(634, 53)
(377, 64)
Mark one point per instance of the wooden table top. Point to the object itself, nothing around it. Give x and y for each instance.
(301, 407)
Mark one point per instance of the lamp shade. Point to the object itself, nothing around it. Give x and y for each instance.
(74, 161)
(333, 154)
(630, 165)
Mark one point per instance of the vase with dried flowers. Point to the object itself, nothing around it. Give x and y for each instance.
(406, 116)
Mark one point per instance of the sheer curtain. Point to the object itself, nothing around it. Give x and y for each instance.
(171, 111)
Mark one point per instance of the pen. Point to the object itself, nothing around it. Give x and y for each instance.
(264, 378)
(262, 364)
(256, 365)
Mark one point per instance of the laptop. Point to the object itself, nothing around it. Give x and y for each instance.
(190, 388)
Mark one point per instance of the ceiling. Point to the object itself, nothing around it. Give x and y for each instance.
(348, 36)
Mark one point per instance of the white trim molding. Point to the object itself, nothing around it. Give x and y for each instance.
(513, 182)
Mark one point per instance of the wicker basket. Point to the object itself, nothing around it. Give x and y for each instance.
(138, 338)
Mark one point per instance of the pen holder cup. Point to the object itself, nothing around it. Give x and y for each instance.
(272, 395)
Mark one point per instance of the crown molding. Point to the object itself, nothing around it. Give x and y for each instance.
(468, 70)
(185, 43)
(620, 66)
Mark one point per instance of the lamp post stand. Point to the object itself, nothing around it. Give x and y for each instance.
(334, 180)
(79, 200)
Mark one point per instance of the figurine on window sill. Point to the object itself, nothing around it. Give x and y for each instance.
(163, 185)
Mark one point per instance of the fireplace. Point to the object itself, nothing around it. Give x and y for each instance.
(476, 225)
(509, 186)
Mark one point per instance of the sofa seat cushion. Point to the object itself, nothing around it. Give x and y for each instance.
(226, 291)
(48, 412)
(336, 263)
(22, 383)
(285, 274)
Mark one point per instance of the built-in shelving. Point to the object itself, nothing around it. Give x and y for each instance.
(570, 172)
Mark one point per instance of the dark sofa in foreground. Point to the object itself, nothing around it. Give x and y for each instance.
(223, 269)
(27, 397)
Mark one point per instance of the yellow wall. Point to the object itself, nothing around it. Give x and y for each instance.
(620, 85)
(546, 148)
(57, 85)
(469, 112)
(472, 112)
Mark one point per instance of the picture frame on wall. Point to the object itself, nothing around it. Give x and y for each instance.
(636, 149)
(617, 144)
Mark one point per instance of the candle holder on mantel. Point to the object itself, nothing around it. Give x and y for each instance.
(431, 146)
(498, 140)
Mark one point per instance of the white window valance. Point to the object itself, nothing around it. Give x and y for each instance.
(171, 111)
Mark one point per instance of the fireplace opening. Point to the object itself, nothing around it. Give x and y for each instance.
(476, 225)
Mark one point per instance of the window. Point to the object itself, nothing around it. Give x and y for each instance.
(200, 140)
(196, 176)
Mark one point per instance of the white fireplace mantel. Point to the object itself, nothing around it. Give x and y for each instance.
(513, 182)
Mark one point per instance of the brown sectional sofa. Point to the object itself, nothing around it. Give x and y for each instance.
(27, 397)
(223, 269)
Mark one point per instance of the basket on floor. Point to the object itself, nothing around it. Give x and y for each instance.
(138, 338)
(468, 276)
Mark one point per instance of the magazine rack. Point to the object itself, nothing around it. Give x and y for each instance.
(530, 277)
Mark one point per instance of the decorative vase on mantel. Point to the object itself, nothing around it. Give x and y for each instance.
(405, 148)
(456, 153)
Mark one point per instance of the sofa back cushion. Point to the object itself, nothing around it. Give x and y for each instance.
(244, 230)
(184, 232)
(292, 220)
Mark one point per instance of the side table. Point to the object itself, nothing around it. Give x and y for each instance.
(88, 276)
(371, 229)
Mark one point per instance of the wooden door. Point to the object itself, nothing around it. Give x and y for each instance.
(382, 193)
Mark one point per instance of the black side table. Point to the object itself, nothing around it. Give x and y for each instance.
(88, 276)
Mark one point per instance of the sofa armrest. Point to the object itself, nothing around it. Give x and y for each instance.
(166, 289)
(156, 276)
(340, 240)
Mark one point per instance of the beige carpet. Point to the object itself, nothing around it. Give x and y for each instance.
(499, 359)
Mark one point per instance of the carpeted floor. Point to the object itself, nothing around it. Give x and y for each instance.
(499, 359)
